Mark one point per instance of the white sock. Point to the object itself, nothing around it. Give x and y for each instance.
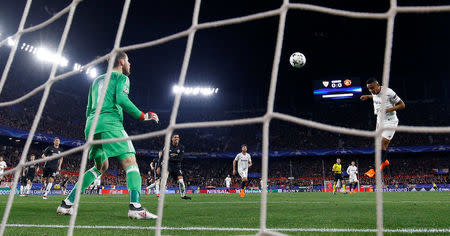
(152, 185)
(28, 188)
(157, 187)
(136, 205)
(68, 202)
(21, 189)
(182, 187)
(49, 187)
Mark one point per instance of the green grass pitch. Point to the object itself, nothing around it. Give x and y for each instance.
(410, 210)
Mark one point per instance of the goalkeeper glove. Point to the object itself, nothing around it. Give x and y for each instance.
(149, 116)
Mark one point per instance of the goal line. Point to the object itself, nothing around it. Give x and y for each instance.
(121, 227)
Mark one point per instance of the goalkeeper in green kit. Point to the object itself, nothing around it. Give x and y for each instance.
(110, 125)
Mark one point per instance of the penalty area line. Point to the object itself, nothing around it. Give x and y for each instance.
(231, 229)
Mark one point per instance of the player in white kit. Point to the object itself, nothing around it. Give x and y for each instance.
(393, 103)
(244, 162)
(3, 166)
(228, 183)
(352, 172)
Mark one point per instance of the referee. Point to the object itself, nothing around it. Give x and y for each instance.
(337, 170)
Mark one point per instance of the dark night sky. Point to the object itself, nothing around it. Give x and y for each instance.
(237, 58)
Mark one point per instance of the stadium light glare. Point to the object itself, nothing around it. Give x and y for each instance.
(92, 73)
(11, 41)
(45, 55)
(76, 67)
(194, 91)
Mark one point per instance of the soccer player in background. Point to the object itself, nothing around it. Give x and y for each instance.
(23, 182)
(228, 183)
(338, 180)
(51, 168)
(352, 172)
(244, 161)
(153, 178)
(110, 125)
(3, 166)
(63, 184)
(393, 103)
(31, 173)
(176, 155)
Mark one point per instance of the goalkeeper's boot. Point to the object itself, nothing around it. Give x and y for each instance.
(64, 209)
(186, 198)
(44, 197)
(370, 173)
(140, 213)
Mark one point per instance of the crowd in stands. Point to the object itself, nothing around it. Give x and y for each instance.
(304, 171)
(64, 115)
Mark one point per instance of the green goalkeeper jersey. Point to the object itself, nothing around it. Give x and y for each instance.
(116, 101)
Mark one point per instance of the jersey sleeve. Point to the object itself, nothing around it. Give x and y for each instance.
(348, 170)
(393, 97)
(122, 91)
(46, 151)
(249, 158)
(237, 157)
(89, 104)
(181, 154)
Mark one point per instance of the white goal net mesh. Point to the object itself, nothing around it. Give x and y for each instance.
(389, 16)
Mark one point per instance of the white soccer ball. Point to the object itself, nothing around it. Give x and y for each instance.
(297, 60)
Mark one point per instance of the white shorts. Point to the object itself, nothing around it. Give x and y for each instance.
(389, 134)
(352, 178)
(243, 173)
(228, 185)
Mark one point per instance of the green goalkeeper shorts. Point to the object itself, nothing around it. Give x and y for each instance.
(120, 150)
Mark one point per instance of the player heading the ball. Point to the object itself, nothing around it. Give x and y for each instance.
(393, 103)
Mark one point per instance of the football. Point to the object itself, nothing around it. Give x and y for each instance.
(297, 60)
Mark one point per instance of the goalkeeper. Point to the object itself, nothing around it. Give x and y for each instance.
(110, 125)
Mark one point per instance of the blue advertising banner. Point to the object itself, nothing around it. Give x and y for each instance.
(48, 138)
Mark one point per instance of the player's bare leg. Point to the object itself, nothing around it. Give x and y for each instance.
(243, 185)
(384, 146)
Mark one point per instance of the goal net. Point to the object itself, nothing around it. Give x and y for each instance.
(281, 12)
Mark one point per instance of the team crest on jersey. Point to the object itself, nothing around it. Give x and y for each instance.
(125, 90)
(325, 83)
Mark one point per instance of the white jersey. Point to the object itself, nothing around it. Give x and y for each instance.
(2, 166)
(391, 100)
(352, 170)
(243, 160)
(98, 181)
(228, 181)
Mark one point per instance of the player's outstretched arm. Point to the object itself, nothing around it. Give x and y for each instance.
(234, 167)
(365, 97)
(122, 91)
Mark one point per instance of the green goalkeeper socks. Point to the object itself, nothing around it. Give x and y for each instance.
(89, 178)
(134, 184)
